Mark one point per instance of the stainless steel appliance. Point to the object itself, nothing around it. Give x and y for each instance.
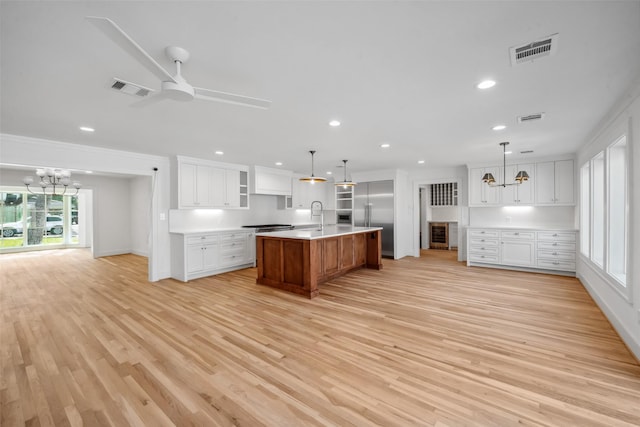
(373, 207)
(344, 218)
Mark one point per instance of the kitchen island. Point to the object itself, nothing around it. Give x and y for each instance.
(299, 260)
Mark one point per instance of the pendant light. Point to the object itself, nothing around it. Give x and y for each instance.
(312, 179)
(520, 176)
(345, 183)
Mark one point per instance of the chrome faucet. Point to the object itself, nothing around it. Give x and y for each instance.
(321, 214)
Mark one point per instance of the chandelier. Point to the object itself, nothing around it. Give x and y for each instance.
(345, 183)
(50, 179)
(520, 176)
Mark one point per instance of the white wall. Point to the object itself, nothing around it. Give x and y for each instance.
(621, 308)
(140, 214)
(34, 152)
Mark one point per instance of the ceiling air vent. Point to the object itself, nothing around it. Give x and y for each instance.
(534, 50)
(526, 152)
(530, 118)
(129, 88)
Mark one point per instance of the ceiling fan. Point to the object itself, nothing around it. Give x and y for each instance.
(173, 86)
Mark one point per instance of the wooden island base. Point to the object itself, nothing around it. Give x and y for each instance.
(300, 265)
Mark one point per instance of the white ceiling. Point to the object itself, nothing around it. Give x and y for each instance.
(403, 73)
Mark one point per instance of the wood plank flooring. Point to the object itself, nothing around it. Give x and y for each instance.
(424, 341)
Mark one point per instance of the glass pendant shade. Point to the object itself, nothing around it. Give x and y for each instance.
(312, 179)
(522, 176)
(488, 178)
(519, 179)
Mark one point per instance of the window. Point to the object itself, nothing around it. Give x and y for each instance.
(37, 220)
(585, 210)
(617, 204)
(604, 207)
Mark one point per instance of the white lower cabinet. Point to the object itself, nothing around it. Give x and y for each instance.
(557, 250)
(196, 255)
(518, 248)
(527, 249)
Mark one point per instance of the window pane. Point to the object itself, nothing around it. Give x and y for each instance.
(12, 220)
(585, 204)
(597, 209)
(616, 258)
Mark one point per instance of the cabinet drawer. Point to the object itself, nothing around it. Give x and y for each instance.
(484, 250)
(206, 239)
(484, 233)
(557, 246)
(558, 236)
(233, 236)
(557, 255)
(481, 241)
(492, 259)
(557, 265)
(233, 247)
(232, 259)
(516, 234)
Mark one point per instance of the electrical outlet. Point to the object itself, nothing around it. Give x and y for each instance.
(163, 216)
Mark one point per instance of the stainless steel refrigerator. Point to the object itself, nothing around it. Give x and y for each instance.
(373, 207)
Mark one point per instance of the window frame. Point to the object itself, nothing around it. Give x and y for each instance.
(622, 287)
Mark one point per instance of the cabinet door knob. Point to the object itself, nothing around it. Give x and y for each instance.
(517, 234)
(555, 235)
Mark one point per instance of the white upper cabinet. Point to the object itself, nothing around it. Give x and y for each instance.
(271, 181)
(555, 183)
(207, 184)
(522, 194)
(195, 185)
(480, 193)
(550, 183)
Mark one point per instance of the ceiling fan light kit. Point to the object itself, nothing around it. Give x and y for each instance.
(173, 87)
(312, 178)
(521, 176)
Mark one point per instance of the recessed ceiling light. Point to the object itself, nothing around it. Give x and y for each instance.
(486, 84)
(420, 162)
(88, 171)
(508, 152)
(87, 129)
(329, 173)
(278, 163)
(219, 153)
(334, 123)
(385, 145)
(499, 127)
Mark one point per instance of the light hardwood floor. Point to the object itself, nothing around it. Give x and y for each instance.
(425, 341)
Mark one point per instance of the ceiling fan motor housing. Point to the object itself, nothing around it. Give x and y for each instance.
(179, 91)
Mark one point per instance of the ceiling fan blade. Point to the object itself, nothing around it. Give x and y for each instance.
(231, 98)
(119, 37)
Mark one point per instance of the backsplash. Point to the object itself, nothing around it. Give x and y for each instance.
(262, 210)
(523, 216)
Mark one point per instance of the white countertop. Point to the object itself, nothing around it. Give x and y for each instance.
(314, 233)
(210, 230)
